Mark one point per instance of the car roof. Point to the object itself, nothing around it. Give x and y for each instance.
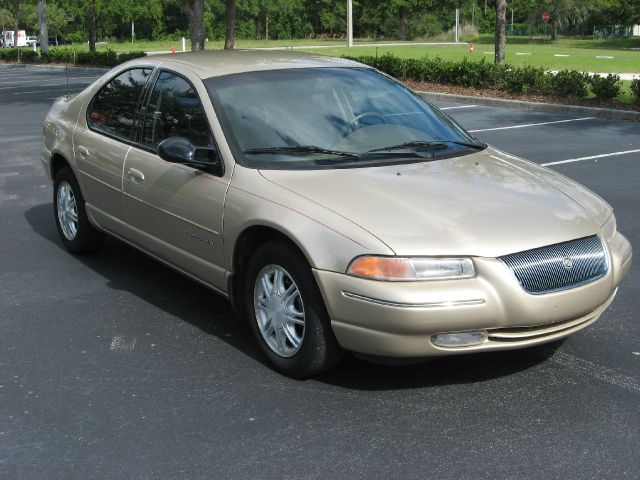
(226, 62)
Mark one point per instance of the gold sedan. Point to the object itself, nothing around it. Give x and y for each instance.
(334, 208)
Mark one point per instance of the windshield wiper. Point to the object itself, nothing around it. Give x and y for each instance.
(438, 144)
(301, 149)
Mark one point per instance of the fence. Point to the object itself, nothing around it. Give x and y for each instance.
(612, 31)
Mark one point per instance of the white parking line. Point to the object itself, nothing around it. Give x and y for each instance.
(13, 87)
(532, 124)
(20, 139)
(592, 157)
(33, 91)
(461, 106)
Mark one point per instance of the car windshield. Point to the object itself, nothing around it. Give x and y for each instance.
(330, 117)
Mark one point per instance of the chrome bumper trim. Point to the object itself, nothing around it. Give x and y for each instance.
(386, 303)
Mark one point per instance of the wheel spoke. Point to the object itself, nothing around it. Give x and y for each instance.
(298, 320)
(292, 337)
(281, 340)
(265, 284)
(290, 294)
(278, 281)
(73, 216)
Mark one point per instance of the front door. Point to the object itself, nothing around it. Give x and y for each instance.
(176, 210)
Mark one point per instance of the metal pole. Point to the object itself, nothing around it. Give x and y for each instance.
(457, 23)
(349, 23)
(184, 45)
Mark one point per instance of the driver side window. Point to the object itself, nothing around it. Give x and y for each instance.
(174, 110)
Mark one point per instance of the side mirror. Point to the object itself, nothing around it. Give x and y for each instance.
(181, 150)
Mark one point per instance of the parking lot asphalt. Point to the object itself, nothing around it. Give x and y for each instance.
(113, 366)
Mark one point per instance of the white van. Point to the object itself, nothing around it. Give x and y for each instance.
(7, 38)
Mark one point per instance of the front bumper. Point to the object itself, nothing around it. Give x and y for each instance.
(398, 319)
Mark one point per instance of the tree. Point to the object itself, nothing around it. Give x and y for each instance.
(44, 33)
(195, 14)
(568, 12)
(16, 22)
(91, 25)
(230, 15)
(501, 36)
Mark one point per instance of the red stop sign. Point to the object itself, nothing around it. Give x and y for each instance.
(546, 16)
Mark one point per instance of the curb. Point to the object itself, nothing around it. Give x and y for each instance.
(37, 66)
(607, 113)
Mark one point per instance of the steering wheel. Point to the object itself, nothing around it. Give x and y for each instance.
(358, 120)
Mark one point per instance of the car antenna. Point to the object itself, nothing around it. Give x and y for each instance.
(66, 69)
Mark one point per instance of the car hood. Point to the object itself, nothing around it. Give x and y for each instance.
(483, 204)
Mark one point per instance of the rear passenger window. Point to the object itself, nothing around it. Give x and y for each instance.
(114, 108)
(174, 110)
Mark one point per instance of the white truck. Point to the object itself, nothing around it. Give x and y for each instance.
(8, 40)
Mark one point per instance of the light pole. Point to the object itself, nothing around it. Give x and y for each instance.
(349, 23)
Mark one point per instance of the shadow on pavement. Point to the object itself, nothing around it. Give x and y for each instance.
(128, 270)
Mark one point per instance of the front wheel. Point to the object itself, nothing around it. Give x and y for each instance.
(286, 313)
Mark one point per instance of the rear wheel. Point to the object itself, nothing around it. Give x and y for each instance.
(286, 313)
(76, 232)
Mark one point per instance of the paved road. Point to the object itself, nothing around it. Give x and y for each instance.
(113, 366)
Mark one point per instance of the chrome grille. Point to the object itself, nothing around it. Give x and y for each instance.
(560, 266)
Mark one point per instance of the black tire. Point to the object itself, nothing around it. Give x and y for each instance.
(319, 350)
(87, 238)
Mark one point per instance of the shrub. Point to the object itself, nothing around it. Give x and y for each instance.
(605, 88)
(59, 55)
(126, 56)
(635, 89)
(569, 82)
(8, 54)
(526, 79)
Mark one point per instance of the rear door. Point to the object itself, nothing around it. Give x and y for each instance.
(176, 210)
(102, 140)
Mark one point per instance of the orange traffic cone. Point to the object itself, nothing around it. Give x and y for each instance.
(472, 48)
(173, 50)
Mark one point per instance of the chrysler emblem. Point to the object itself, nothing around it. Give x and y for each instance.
(567, 263)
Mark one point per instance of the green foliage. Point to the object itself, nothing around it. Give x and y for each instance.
(605, 88)
(484, 74)
(59, 55)
(62, 55)
(570, 83)
(635, 90)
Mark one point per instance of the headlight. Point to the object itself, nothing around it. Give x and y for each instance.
(411, 269)
(609, 227)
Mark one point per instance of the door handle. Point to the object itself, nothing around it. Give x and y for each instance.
(82, 152)
(136, 175)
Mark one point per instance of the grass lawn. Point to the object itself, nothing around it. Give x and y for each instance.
(614, 56)
(581, 55)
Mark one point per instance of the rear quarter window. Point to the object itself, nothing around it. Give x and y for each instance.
(113, 109)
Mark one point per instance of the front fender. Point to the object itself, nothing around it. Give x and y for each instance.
(328, 240)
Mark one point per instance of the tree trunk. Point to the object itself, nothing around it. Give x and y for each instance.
(402, 17)
(554, 28)
(195, 14)
(501, 37)
(16, 29)
(266, 26)
(256, 24)
(91, 25)
(44, 33)
(230, 13)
